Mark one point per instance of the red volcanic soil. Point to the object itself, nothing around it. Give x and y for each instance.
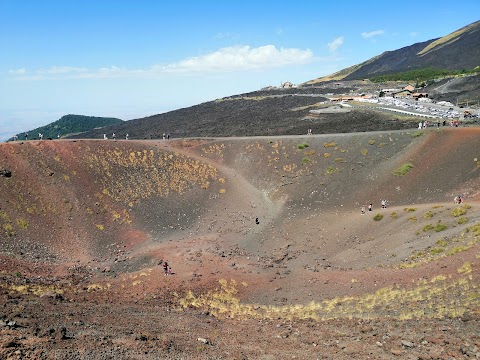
(271, 256)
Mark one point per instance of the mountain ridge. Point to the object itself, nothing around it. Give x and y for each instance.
(442, 53)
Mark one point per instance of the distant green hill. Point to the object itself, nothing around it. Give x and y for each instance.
(69, 124)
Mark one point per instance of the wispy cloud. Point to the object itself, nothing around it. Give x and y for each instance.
(413, 34)
(367, 35)
(63, 70)
(229, 59)
(21, 71)
(335, 44)
(226, 35)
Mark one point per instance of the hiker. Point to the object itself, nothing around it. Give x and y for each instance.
(163, 136)
(363, 210)
(168, 136)
(384, 204)
(40, 136)
(370, 207)
(166, 268)
(113, 136)
(105, 137)
(126, 137)
(420, 125)
(26, 136)
(15, 137)
(256, 221)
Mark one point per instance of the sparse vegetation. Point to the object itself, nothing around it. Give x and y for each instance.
(403, 170)
(459, 211)
(428, 227)
(442, 243)
(428, 215)
(466, 268)
(378, 217)
(22, 223)
(436, 251)
(302, 146)
(440, 227)
(330, 170)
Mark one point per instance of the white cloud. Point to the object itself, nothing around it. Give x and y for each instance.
(21, 71)
(335, 44)
(370, 34)
(229, 59)
(240, 58)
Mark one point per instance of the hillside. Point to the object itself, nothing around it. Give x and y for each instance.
(261, 113)
(262, 233)
(69, 124)
(441, 53)
(288, 111)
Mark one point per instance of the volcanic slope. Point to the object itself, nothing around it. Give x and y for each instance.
(263, 228)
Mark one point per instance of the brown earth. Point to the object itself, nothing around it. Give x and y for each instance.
(85, 225)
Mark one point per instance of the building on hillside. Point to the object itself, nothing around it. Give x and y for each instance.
(287, 85)
(402, 94)
(409, 88)
(417, 96)
(349, 98)
(389, 91)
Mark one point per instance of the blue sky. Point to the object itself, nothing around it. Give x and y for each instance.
(130, 59)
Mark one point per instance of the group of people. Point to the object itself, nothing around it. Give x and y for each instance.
(383, 203)
(424, 124)
(40, 137)
(114, 136)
